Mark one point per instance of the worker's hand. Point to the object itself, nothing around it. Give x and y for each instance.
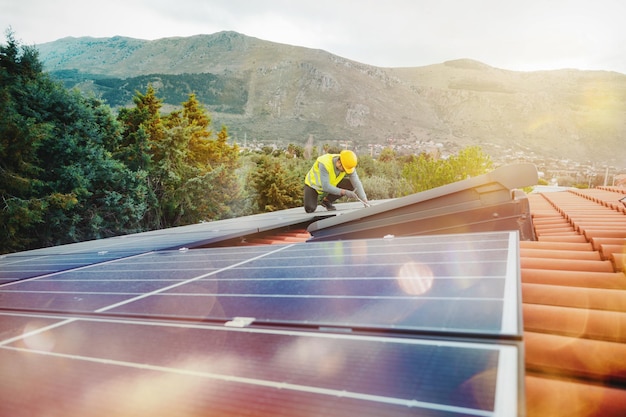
(350, 194)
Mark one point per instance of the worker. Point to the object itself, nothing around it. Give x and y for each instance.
(332, 176)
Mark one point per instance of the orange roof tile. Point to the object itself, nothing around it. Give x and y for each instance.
(574, 304)
(552, 397)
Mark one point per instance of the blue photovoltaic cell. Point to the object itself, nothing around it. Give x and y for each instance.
(124, 325)
(209, 369)
(37, 262)
(449, 284)
(21, 266)
(454, 284)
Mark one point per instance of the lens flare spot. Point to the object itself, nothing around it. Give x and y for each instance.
(43, 341)
(415, 278)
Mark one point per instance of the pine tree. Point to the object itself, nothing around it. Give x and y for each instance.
(191, 175)
(212, 188)
(276, 186)
(200, 122)
(58, 180)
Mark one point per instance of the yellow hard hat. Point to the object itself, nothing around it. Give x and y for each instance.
(348, 161)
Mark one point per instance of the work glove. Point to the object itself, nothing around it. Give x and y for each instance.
(351, 194)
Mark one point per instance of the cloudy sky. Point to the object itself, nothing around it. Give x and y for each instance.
(518, 35)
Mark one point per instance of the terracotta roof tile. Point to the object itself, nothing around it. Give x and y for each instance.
(575, 322)
(567, 264)
(596, 242)
(542, 252)
(608, 197)
(551, 397)
(535, 244)
(569, 238)
(273, 238)
(571, 356)
(609, 280)
(606, 250)
(579, 297)
(619, 261)
(574, 304)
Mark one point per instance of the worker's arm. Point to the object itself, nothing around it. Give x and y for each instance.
(358, 187)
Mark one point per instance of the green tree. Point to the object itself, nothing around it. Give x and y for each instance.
(212, 189)
(382, 179)
(142, 128)
(368, 166)
(425, 172)
(95, 195)
(387, 155)
(470, 162)
(190, 173)
(295, 151)
(277, 184)
(144, 149)
(58, 180)
(20, 138)
(196, 119)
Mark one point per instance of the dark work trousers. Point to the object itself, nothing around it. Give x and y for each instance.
(311, 196)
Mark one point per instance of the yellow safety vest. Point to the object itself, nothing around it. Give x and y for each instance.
(313, 178)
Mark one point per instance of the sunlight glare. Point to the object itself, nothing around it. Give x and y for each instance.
(415, 278)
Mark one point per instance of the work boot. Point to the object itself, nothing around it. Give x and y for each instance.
(328, 205)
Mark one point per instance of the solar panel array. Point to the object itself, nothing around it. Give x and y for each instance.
(49, 260)
(424, 325)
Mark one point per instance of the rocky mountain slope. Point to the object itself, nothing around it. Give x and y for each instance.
(280, 93)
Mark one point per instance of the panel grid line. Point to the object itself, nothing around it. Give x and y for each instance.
(80, 268)
(146, 295)
(333, 393)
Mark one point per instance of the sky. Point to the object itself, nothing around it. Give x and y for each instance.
(527, 35)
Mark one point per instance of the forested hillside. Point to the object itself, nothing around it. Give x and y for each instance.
(221, 93)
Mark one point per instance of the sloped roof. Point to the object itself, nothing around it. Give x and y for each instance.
(573, 291)
(574, 303)
(574, 300)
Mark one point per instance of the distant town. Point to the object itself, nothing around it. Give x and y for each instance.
(553, 170)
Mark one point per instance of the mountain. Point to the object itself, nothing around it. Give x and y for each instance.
(274, 92)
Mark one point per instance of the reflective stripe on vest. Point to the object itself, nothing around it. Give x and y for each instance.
(313, 178)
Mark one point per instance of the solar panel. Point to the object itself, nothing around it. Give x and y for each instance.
(426, 325)
(27, 264)
(455, 283)
(112, 367)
